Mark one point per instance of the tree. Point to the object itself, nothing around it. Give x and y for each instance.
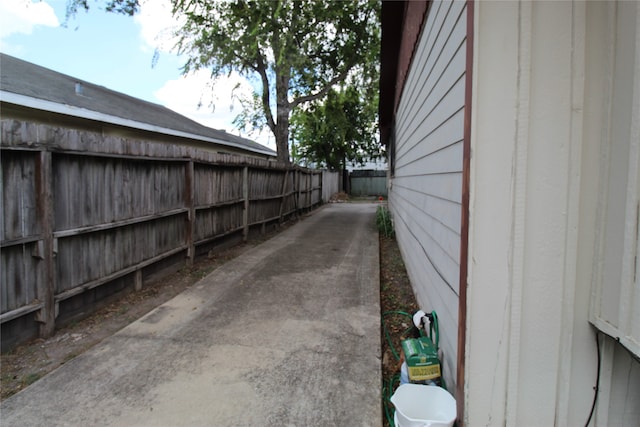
(339, 130)
(295, 51)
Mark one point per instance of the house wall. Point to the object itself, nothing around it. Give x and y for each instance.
(426, 176)
(541, 104)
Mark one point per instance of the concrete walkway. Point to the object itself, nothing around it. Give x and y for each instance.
(285, 335)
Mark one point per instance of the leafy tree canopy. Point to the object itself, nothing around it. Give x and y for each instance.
(338, 130)
(295, 51)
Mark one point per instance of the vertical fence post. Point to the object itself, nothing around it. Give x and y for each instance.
(299, 206)
(303, 175)
(283, 192)
(310, 194)
(189, 190)
(309, 185)
(245, 210)
(310, 204)
(137, 280)
(305, 189)
(46, 286)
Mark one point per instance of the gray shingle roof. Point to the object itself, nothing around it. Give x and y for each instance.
(33, 81)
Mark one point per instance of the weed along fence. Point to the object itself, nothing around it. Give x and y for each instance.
(85, 216)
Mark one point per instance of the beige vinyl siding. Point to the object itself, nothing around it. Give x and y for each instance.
(543, 99)
(426, 186)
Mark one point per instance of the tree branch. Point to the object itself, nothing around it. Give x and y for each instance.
(245, 62)
(340, 77)
(266, 100)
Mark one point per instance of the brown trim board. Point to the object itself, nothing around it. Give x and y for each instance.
(464, 228)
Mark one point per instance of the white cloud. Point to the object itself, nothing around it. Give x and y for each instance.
(157, 24)
(23, 15)
(213, 104)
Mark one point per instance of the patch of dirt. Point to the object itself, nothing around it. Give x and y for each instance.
(340, 197)
(396, 296)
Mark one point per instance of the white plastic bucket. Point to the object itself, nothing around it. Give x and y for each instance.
(420, 405)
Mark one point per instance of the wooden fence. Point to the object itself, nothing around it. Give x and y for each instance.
(80, 210)
(368, 183)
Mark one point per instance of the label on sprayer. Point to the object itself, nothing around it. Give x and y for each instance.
(422, 359)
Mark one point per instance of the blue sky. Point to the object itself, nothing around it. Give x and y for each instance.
(117, 52)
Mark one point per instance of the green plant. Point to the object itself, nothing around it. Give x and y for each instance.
(384, 222)
(69, 357)
(30, 378)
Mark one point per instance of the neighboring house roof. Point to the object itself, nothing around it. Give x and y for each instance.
(25, 84)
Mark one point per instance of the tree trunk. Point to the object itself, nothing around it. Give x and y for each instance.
(283, 109)
(282, 137)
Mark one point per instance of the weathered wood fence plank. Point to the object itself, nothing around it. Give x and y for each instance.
(46, 285)
(245, 208)
(189, 203)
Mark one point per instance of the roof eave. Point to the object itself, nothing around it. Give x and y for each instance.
(54, 107)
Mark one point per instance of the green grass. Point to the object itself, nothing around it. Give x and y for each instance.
(383, 221)
(30, 378)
